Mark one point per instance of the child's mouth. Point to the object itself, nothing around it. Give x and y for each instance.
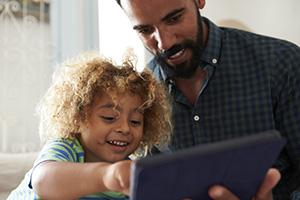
(117, 143)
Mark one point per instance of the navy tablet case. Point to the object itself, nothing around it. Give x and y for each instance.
(240, 164)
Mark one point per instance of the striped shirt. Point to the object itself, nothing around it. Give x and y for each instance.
(252, 85)
(62, 150)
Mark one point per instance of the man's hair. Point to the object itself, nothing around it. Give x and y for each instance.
(118, 1)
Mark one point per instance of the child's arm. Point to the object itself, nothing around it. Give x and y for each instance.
(66, 180)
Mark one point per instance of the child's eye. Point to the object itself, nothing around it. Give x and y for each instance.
(110, 119)
(135, 123)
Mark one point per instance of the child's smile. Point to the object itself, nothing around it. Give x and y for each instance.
(118, 145)
(114, 131)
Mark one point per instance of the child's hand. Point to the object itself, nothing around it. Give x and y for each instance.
(117, 177)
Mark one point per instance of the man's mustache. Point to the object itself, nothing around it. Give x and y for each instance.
(176, 48)
(172, 51)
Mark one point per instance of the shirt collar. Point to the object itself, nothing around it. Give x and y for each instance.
(212, 50)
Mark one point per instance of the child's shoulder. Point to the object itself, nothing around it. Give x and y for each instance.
(64, 142)
(63, 150)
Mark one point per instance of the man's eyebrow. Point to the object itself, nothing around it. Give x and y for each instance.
(139, 27)
(169, 15)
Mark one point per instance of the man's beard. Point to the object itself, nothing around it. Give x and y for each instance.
(186, 69)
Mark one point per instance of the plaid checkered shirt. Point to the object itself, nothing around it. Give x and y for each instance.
(252, 85)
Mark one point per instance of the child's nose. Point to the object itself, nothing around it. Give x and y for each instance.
(123, 127)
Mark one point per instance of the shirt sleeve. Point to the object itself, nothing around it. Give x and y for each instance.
(287, 108)
(56, 150)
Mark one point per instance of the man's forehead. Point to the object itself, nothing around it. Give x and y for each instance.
(143, 11)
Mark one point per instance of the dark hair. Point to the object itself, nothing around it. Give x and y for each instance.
(118, 1)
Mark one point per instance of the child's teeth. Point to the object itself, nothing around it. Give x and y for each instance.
(118, 143)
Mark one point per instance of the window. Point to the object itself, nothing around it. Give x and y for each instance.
(34, 36)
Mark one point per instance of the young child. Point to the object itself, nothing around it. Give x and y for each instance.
(94, 116)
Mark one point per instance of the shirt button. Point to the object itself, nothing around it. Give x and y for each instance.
(214, 61)
(196, 118)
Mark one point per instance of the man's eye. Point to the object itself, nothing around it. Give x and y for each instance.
(146, 31)
(175, 19)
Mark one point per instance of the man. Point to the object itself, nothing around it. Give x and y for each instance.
(225, 82)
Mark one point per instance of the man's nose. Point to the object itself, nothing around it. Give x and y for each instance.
(165, 39)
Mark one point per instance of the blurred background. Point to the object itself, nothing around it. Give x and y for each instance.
(35, 35)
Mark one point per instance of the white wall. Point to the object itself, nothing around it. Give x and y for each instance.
(116, 33)
(74, 27)
(269, 17)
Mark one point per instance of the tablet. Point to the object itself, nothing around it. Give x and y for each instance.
(239, 164)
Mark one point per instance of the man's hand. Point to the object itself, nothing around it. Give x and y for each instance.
(264, 192)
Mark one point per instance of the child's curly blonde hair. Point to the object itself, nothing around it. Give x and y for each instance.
(66, 106)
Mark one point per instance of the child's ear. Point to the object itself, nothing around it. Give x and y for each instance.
(80, 127)
(77, 132)
(78, 135)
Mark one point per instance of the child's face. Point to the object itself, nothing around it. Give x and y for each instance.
(113, 134)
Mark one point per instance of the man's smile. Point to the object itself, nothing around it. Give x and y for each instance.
(176, 55)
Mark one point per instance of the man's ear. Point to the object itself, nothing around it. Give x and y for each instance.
(200, 3)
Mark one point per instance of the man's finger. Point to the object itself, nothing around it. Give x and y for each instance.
(271, 179)
(219, 192)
